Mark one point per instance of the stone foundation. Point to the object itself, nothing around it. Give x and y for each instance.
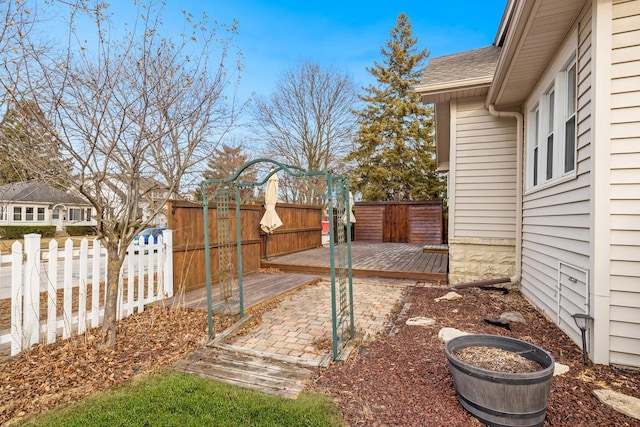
(472, 259)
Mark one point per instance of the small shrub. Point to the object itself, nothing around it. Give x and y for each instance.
(81, 230)
(16, 232)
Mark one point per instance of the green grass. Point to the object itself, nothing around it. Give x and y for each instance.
(175, 399)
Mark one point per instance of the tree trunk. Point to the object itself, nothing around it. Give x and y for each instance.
(114, 263)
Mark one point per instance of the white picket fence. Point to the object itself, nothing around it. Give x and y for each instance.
(60, 279)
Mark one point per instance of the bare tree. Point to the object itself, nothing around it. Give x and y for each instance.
(18, 23)
(308, 122)
(128, 111)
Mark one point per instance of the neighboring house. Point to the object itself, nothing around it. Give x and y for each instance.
(540, 136)
(151, 201)
(37, 203)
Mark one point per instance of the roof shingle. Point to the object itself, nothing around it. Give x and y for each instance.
(470, 65)
(34, 191)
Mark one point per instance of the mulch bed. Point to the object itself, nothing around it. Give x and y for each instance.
(400, 379)
(403, 379)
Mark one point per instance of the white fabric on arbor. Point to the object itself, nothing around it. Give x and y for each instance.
(352, 217)
(270, 220)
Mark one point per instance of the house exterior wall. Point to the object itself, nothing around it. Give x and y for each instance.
(581, 250)
(624, 201)
(482, 200)
(556, 217)
(8, 215)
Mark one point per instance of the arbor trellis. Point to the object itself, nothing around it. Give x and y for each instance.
(339, 248)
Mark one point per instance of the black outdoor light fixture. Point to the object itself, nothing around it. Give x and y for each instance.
(583, 320)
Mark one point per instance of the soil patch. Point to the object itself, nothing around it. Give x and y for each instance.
(496, 359)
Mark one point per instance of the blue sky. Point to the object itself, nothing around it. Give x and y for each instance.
(277, 34)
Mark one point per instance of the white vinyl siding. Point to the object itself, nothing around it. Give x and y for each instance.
(485, 185)
(625, 185)
(556, 216)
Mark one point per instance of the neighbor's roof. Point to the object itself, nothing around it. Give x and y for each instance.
(460, 70)
(37, 192)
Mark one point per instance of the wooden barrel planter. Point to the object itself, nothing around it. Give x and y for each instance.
(502, 398)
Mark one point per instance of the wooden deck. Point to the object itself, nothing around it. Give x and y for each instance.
(258, 287)
(383, 260)
(386, 260)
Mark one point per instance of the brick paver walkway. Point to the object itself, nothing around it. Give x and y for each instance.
(300, 326)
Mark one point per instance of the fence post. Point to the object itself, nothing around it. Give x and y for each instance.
(17, 290)
(52, 293)
(167, 238)
(67, 311)
(140, 301)
(31, 307)
(95, 284)
(131, 280)
(82, 287)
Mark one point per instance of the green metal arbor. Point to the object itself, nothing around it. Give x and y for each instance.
(337, 197)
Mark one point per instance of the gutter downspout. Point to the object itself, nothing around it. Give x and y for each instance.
(519, 185)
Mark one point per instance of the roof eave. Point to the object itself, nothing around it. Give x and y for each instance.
(523, 15)
(452, 90)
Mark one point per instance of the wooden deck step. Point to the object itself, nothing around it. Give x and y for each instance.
(437, 249)
(387, 260)
(262, 374)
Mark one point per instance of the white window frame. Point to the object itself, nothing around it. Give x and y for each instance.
(547, 122)
(549, 134)
(533, 177)
(71, 214)
(570, 115)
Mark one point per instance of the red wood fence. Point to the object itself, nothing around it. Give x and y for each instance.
(301, 230)
(399, 222)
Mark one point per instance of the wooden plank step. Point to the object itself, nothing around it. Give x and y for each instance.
(357, 272)
(269, 376)
(258, 365)
(438, 249)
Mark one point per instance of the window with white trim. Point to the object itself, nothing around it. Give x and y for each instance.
(571, 102)
(40, 214)
(550, 104)
(17, 213)
(76, 214)
(535, 154)
(28, 216)
(551, 128)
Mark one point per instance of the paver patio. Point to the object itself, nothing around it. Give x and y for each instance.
(300, 325)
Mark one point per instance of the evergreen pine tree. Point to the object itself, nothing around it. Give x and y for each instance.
(26, 148)
(224, 163)
(394, 151)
